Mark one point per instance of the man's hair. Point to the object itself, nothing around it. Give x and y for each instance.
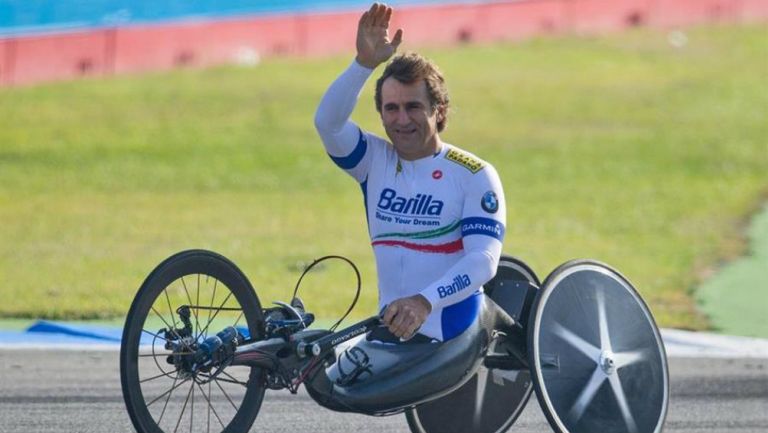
(409, 68)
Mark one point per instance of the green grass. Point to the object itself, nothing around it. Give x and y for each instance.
(735, 298)
(620, 148)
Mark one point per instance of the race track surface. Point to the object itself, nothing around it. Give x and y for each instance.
(79, 391)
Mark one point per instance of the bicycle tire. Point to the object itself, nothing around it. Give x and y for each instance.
(185, 264)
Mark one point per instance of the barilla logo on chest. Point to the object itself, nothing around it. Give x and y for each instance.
(421, 204)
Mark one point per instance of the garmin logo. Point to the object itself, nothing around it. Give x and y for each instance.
(460, 282)
(421, 204)
(482, 226)
(493, 227)
(348, 335)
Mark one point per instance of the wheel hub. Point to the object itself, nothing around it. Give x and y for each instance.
(607, 362)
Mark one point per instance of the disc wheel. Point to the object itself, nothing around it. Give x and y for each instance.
(596, 355)
(492, 399)
(160, 393)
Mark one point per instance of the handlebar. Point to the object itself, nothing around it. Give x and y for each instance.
(325, 344)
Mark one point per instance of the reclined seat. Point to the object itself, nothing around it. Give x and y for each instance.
(375, 378)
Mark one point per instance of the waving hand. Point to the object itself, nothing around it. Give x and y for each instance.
(373, 44)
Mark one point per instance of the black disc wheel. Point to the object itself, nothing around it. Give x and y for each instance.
(596, 355)
(513, 288)
(189, 297)
(492, 399)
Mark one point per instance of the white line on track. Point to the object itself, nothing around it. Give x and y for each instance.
(687, 344)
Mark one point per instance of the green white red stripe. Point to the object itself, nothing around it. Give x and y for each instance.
(427, 234)
(405, 241)
(446, 248)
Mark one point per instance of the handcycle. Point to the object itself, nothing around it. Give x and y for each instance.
(197, 336)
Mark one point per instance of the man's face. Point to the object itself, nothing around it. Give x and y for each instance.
(409, 120)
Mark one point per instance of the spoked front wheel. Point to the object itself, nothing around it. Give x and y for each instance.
(167, 388)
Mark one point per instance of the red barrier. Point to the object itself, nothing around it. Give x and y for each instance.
(753, 10)
(266, 37)
(30, 59)
(519, 20)
(205, 43)
(327, 33)
(599, 16)
(687, 12)
(53, 57)
(162, 47)
(6, 61)
(451, 24)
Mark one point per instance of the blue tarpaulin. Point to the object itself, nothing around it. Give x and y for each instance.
(38, 16)
(91, 332)
(48, 334)
(45, 333)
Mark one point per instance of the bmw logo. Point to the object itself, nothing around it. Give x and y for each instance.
(490, 203)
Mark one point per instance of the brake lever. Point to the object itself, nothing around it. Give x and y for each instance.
(293, 311)
(415, 331)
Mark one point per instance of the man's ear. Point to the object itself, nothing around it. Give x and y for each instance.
(440, 113)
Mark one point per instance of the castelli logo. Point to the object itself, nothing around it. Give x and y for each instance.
(437, 174)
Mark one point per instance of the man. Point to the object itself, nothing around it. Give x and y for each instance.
(436, 214)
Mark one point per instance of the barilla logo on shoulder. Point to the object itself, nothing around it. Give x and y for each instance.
(460, 282)
(421, 204)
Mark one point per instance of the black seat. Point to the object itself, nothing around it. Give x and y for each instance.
(402, 375)
(410, 373)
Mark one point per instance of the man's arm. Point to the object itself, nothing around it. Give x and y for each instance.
(482, 229)
(343, 140)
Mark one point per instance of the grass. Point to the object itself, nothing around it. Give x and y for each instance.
(735, 298)
(621, 148)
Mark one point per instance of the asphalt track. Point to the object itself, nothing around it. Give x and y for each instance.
(79, 391)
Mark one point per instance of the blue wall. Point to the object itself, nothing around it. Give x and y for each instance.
(35, 16)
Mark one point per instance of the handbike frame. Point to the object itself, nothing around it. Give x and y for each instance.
(514, 332)
(251, 354)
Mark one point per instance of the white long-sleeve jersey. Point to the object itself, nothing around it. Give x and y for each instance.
(436, 224)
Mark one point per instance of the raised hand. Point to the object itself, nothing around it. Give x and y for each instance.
(373, 44)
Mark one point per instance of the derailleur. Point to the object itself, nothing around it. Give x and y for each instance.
(191, 358)
(180, 341)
